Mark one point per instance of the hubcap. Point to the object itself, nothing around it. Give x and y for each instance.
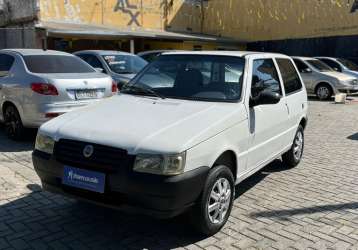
(298, 146)
(219, 201)
(323, 92)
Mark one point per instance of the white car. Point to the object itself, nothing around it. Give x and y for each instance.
(38, 85)
(221, 117)
(322, 80)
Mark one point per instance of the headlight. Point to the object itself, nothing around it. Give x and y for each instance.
(160, 164)
(44, 143)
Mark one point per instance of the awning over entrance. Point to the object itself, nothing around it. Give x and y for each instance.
(83, 31)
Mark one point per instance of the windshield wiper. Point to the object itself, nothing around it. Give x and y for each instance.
(143, 89)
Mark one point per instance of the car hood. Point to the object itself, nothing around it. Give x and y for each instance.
(145, 124)
(338, 75)
(351, 73)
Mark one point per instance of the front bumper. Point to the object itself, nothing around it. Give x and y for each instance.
(348, 88)
(158, 196)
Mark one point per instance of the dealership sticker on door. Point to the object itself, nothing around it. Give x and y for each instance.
(84, 179)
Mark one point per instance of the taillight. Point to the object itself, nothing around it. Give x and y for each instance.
(114, 87)
(44, 89)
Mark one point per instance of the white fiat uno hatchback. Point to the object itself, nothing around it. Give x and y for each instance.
(179, 136)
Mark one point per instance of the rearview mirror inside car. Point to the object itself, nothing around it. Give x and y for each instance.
(308, 70)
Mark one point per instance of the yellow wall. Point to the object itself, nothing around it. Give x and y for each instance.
(244, 20)
(254, 20)
(113, 13)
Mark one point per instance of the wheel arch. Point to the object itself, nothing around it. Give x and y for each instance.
(229, 159)
(303, 122)
(8, 103)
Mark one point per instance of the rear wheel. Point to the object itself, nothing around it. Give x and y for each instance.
(13, 124)
(293, 157)
(324, 91)
(214, 206)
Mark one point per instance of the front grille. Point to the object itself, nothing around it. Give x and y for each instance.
(104, 158)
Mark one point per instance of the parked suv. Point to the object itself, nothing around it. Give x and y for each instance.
(220, 118)
(341, 65)
(121, 66)
(37, 85)
(322, 80)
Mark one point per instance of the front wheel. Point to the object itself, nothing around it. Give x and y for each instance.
(324, 91)
(293, 157)
(214, 206)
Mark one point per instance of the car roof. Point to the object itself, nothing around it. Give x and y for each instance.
(33, 52)
(326, 57)
(223, 53)
(155, 52)
(304, 58)
(104, 52)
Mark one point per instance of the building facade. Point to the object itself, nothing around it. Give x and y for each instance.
(136, 25)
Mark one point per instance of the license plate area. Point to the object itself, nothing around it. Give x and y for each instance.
(83, 94)
(84, 179)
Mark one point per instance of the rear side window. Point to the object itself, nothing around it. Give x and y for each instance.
(264, 76)
(332, 64)
(6, 62)
(302, 67)
(52, 64)
(291, 80)
(92, 60)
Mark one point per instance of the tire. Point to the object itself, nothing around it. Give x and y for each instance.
(13, 124)
(293, 157)
(209, 223)
(324, 91)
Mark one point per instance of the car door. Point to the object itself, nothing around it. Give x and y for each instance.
(295, 95)
(308, 76)
(6, 62)
(268, 123)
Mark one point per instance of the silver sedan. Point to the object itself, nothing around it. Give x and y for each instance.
(38, 85)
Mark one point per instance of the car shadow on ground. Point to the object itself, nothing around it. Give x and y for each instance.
(26, 144)
(285, 214)
(353, 137)
(313, 98)
(46, 220)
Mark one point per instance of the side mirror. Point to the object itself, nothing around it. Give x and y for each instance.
(308, 70)
(265, 97)
(99, 70)
(337, 69)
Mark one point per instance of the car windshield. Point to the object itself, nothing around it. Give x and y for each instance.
(349, 64)
(53, 64)
(318, 65)
(192, 77)
(125, 64)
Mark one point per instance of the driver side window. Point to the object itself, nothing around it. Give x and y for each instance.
(264, 76)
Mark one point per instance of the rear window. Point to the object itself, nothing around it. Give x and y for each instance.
(52, 64)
